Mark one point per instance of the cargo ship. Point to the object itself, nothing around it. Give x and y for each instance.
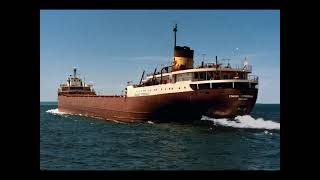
(177, 92)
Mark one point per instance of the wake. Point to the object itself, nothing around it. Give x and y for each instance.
(55, 111)
(246, 122)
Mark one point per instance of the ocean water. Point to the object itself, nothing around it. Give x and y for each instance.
(69, 142)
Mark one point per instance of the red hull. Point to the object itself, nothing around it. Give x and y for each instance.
(169, 107)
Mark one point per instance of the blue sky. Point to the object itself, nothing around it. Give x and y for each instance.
(111, 47)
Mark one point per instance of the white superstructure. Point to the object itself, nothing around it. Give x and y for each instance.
(183, 80)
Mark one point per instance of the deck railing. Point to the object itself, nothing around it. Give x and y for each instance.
(253, 77)
(237, 67)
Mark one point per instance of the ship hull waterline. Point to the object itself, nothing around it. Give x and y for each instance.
(182, 106)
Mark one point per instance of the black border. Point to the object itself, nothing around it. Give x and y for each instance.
(32, 66)
(160, 4)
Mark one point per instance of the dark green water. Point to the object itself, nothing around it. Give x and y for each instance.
(81, 143)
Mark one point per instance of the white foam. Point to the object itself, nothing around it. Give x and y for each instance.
(150, 122)
(245, 121)
(55, 111)
(267, 132)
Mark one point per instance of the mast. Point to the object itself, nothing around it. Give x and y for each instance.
(175, 29)
(74, 72)
(154, 74)
(141, 77)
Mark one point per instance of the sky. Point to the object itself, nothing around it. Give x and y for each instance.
(112, 47)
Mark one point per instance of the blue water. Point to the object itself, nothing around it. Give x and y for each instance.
(69, 142)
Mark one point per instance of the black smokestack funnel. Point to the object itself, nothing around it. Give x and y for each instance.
(216, 60)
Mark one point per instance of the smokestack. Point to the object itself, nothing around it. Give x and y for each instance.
(216, 60)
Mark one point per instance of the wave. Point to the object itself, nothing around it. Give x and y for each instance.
(246, 122)
(55, 111)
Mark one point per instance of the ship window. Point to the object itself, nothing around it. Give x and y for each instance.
(221, 85)
(204, 86)
(241, 85)
(196, 75)
(254, 86)
(201, 75)
(193, 86)
(185, 87)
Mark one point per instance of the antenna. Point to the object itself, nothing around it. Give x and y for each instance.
(203, 57)
(202, 63)
(245, 62)
(175, 29)
(74, 71)
(224, 60)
